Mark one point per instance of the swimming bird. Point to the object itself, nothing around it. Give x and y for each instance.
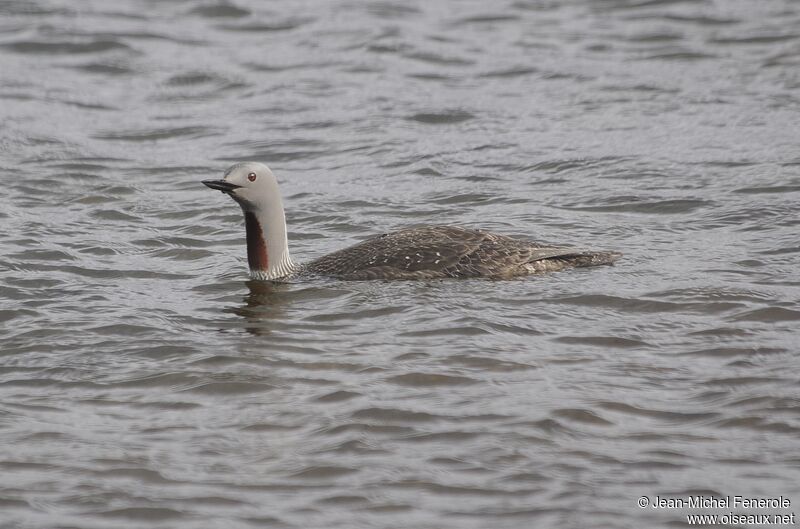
(426, 252)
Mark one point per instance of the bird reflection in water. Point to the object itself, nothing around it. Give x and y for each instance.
(264, 306)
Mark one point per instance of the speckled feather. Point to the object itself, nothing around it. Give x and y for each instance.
(449, 252)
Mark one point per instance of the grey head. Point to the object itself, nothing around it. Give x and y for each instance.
(251, 184)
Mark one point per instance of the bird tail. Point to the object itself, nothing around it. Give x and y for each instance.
(593, 259)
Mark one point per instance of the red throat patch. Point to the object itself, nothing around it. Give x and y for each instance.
(257, 256)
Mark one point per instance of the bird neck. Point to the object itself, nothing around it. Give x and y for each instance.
(267, 243)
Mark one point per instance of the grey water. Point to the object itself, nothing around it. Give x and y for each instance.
(146, 382)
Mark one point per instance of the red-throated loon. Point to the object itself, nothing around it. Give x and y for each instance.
(426, 252)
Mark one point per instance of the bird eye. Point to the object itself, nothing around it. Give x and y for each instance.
(251, 177)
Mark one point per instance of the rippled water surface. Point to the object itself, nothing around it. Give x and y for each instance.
(145, 382)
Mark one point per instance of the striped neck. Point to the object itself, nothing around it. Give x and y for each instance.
(267, 245)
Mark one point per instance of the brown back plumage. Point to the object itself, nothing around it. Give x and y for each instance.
(449, 251)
